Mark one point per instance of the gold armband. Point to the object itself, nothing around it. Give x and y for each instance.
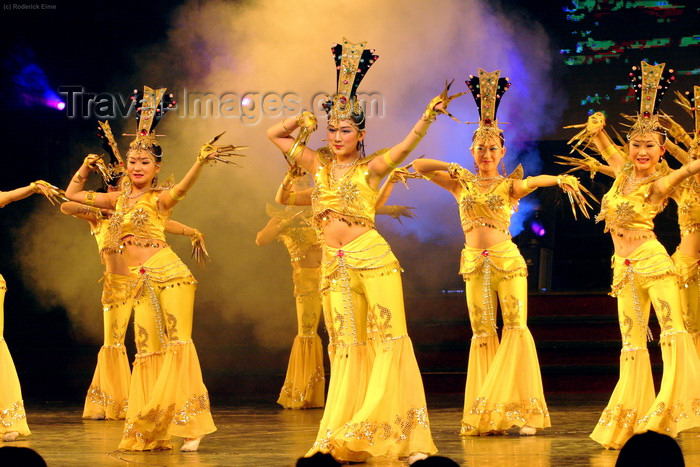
(174, 195)
(453, 169)
(90, 198)
(78, 178)
(292, 197)
(391, 163)
(608, 152)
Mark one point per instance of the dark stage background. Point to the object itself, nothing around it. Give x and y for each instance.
(565, 59)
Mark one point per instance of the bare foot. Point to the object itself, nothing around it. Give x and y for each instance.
(416, 456)
(96, 417)
(528, 430)
(10, 436)
(191, 444)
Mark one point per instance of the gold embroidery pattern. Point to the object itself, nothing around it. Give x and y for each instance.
(494, 202)
(157, 417)
(193, 407)
(512, 310)
(619, 417)
(511, 412)
(13, 415)
(664, 312)
(98, 396)
(141, 339)
(299, 395)
(172, 326)
(399, 431)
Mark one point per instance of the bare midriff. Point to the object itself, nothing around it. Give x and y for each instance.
(484, 237)
(115, 263)
(626, 241)
(690, 244)
(136, 255)
(338, 232)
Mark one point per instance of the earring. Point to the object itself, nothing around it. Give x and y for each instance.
(503, 167)
(476, 168)
(361, 148)
(154, 182)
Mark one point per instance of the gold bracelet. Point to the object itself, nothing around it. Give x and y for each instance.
(292, 197)
(174, 196)
(90, 198)
(609, 151)
(430, 175)
(80, 178)
(391, 163)
(33, 187)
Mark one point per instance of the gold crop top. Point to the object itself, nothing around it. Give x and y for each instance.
(630, 211)
(689, 207)
(491, 208)
(101, 234)
(300, 239)
(140, 224)
(349, 198)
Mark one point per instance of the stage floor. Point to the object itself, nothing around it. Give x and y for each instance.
(261, 434)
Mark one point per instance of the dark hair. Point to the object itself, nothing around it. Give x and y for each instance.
(435, 461)
(318, 460)
(650, 449)
(17, 455)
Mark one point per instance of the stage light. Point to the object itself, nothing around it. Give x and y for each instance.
(61, 105)
(537, 228)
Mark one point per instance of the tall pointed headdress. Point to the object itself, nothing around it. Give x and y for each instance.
(487, 89)
(151, 105)
(650, 83)
(115, 170)
(352, 61)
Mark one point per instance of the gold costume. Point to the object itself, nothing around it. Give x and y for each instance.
(504, 382)
(647, 276)
(688, 267)
(376, 403)
(172, 400)
(12, 415)
(304, 383)
(109, 390)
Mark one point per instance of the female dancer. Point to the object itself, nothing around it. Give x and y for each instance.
(13, 419)
(375, 406)
(504, 385)
(644, 274)
(304, 384)
(108, 393)
(177, 403)
(687, 196)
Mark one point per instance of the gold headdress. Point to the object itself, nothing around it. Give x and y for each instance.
(115, 170)
(650, 83)
(352, 61)
(690, 103)
(487, 89)
(149, 111)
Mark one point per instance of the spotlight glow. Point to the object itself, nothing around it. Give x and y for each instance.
(537, 228)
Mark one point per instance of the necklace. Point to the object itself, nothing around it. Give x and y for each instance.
(346, 165)
(130, 196)
(489, 181)
(631, 182)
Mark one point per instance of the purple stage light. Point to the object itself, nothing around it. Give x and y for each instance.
(537, 228)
